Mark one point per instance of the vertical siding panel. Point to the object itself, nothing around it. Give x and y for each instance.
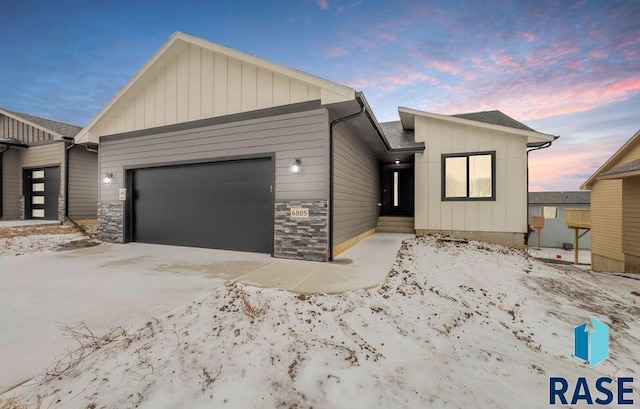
(171, 84)
(264, 88)
(121, 121)
(182, 93)
(149, 106)
(298, 91)
(249, 84)
(234, 81)
(313, 92)
(130, 115)
(160, 99)
(220, 85)
(195, 80)
(139, 116)
(206, 107)
(280, 90)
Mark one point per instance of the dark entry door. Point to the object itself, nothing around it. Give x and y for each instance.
(401, 192)
(41, 189)
(222, 205)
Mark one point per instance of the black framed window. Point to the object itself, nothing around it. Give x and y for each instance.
(469, 176)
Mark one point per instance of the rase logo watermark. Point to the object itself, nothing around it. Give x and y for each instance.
(591, 344)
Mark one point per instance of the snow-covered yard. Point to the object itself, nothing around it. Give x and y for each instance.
(17, 240)
(455, 325)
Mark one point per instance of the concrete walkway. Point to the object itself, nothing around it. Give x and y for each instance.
(364, 265)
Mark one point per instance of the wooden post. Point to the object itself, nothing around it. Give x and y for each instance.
(576, 247)
(539, 234)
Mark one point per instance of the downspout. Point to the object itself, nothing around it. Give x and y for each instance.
(529, 229)
(3, 149)
(331, 172)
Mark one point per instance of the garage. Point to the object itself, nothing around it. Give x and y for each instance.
(221, 205)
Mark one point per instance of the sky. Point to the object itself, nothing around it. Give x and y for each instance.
(568, 67)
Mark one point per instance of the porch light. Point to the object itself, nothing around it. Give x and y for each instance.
(295, 166)
(107, 177)
(397, 161)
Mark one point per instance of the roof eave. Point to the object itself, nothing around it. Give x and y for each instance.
(532, 136)
(611, 161)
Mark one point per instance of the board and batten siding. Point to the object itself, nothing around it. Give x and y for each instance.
(11, 128)
(191, 83)
(41, 156)
(606, 219)
(356, 188)
(631, 216)
(301, 135)
(83, 183)
(508, 213)
(11, 184)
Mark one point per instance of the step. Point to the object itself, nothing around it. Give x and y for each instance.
(383, 229)
(395, 218)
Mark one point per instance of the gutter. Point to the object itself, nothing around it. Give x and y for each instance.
(331, 171)
(527, 235)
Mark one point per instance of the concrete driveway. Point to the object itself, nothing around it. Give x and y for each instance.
(105, 287)
(127, 285)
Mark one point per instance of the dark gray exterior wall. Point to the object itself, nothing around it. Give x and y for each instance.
(555, 231)
(11, 184)
(83, 183)
(356, 187)
(303, 135)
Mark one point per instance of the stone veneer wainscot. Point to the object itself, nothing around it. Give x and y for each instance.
(301, 238)
(111, 222)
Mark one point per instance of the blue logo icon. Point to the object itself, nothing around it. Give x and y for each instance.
(591, 345)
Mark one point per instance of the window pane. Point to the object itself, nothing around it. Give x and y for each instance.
(549, 212)
(38, 187)
(395, 189)
(37, 174)
(455, 177)
(480, 176)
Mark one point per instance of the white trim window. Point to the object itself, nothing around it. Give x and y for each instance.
(549, 212)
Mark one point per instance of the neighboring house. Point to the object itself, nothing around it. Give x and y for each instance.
(615, 211)
(210, 147)
(552, 206)
(43, 174)
(471, 180)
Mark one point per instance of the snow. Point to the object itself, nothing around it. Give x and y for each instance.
(454, 325)
(14, 246)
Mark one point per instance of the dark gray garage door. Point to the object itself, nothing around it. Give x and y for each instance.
(222, 205)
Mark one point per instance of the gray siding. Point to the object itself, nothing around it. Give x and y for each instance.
(14, 129)
(356, 187)
(555, 231)
(11, 184)
(301, 135)
(83, 183)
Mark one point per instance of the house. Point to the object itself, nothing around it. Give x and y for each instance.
(472, 179)
(207, 146)
(552, 206)
(43, 174)
(615, 211)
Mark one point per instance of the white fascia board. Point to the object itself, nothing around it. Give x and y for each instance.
(33, 124)
(532, 137)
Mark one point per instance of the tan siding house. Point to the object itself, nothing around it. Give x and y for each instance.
(44, 174)
(615, 211)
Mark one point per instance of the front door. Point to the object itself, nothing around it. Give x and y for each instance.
(41, 190)
(400, 192)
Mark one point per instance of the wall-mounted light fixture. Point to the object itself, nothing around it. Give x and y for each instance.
(295, 166)
(397, 161)
(107, 177)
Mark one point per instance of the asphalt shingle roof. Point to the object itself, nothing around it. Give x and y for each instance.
(62, 128)
(581, 197)
(398, 137)
(627, 167)
(495, 118)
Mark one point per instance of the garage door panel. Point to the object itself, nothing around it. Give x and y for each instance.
(225, 205)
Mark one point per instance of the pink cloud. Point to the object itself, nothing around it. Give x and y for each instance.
(337, 51)
(323, 4)
(527, 36)
(598, 54)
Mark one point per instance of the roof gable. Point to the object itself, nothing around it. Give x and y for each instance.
(534, 138)
(190, 79)
(615, 164)
(495, 117)
(57, 128)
